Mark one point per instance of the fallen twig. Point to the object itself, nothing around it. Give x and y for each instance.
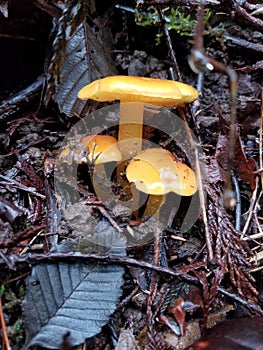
(200, 62)
(241, 11)
(251, 209)
(244, 43)
(12, 105)
(154, 340)
(238, 202)
(243, 302)
(32, 258)
(170, 45)
(22, 187)
(5, 341)
(21, 237)
(107, 216)
(193, 146)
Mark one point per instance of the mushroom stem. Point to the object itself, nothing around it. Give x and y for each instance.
(130, 129)
(153, 205)
(130, 133)
(129, 141)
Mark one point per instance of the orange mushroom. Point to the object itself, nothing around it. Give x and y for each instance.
(95, 149)
(156, 172)
(133, 93)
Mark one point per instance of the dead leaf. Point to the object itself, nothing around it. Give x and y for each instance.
(236, 334)
(86, 59)
(243, 165)
(76, 297)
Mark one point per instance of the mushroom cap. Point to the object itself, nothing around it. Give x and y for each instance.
(155, 171)
(159, 92)
(94, 148)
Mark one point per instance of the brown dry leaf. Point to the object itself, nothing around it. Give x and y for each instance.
(244, 166)
(81, 55)
(86, 59)
(236, 334)
(193, 331)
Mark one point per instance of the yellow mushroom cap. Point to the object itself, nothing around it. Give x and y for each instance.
(159, 92)
(155, 171)
(102, 148)
(98, 149)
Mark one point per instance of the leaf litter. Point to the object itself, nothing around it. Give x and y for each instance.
(234, 257)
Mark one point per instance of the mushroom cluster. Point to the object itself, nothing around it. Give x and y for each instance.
(134, 93)
(153, 171)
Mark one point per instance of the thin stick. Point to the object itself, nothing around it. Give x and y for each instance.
(12, 105)
(241, 11)
(229, 196)
(169, 43)
(251, 209)
(238, 202)
(199, 44)
(254, 200)
(151, 333)
(199, 61)
(22, 187)
(107, 216)
(107, 258)
(198, 173)
(240, 300)
(244, 43)
(3, 326)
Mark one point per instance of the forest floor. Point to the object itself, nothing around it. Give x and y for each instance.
(183, 270)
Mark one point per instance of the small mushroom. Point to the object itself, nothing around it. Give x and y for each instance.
(156, 172)
(101, 148)
(95, 149)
